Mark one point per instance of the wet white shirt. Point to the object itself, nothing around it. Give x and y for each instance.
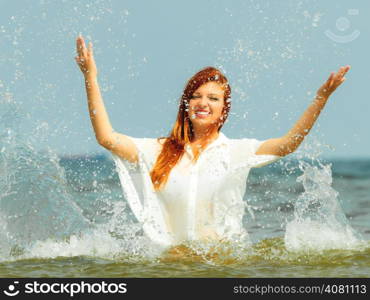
(200, 200)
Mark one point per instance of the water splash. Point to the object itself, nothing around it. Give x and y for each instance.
(100, 242)
(35, 202)
(319, 222)
(42, 216)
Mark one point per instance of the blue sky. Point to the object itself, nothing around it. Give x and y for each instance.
(275, 54)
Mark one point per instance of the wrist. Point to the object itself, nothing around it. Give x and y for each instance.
(90, 76)
(321, 98)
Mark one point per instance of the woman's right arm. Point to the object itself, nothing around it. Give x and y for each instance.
(119, 144)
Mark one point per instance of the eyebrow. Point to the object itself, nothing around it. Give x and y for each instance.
(210, 94)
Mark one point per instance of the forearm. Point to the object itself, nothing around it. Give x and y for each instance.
(290, 142)
(302, 127)
(98, 115)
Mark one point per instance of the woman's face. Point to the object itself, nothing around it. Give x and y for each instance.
(206, 104)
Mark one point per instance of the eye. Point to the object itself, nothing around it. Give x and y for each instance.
(192, 97)
(214, 98)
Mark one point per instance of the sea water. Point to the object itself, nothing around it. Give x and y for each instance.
(66, 217)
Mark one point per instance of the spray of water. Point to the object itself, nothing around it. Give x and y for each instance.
(319, 222)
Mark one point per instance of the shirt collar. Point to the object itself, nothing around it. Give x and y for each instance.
(221, 140)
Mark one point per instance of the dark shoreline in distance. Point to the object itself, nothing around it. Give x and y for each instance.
(346, 168)
(101, 155)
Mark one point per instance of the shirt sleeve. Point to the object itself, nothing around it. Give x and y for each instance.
(243, 154)
(147, 149)
(138, 190)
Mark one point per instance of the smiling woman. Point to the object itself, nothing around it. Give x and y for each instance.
(189, 185)
(206, 104)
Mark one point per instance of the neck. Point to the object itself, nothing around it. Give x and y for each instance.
(206, 134)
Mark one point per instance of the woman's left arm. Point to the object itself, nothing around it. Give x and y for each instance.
(290, 142)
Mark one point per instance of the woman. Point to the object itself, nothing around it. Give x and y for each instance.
(190, 185)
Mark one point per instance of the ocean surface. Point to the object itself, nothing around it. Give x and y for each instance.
(66, 217)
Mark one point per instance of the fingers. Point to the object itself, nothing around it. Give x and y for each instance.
(81, 47)
(78, 46)
(84, 50)
(329, 82)
(80, 52)
(346, 69)
(334, 80)
(338, 77)
(342, 71)
(90, 49)
(84, 58)
(331, 76)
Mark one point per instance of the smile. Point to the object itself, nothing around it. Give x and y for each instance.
(202, 114)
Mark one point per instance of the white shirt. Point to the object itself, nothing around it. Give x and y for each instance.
(199, 201)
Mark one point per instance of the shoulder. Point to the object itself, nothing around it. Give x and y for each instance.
(161, 140)
(148, 148)
(146, 144)
(245, 145)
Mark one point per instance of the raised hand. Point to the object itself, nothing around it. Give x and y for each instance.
(334, 80)
(85, 58)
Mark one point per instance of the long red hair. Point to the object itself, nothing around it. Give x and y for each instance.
(182, 131)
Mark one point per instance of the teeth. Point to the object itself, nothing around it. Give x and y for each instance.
(202, 113)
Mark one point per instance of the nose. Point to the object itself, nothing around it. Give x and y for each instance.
(203, 101)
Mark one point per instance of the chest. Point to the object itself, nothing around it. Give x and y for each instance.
(202, 177)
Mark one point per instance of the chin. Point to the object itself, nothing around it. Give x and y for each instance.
(204, 123)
